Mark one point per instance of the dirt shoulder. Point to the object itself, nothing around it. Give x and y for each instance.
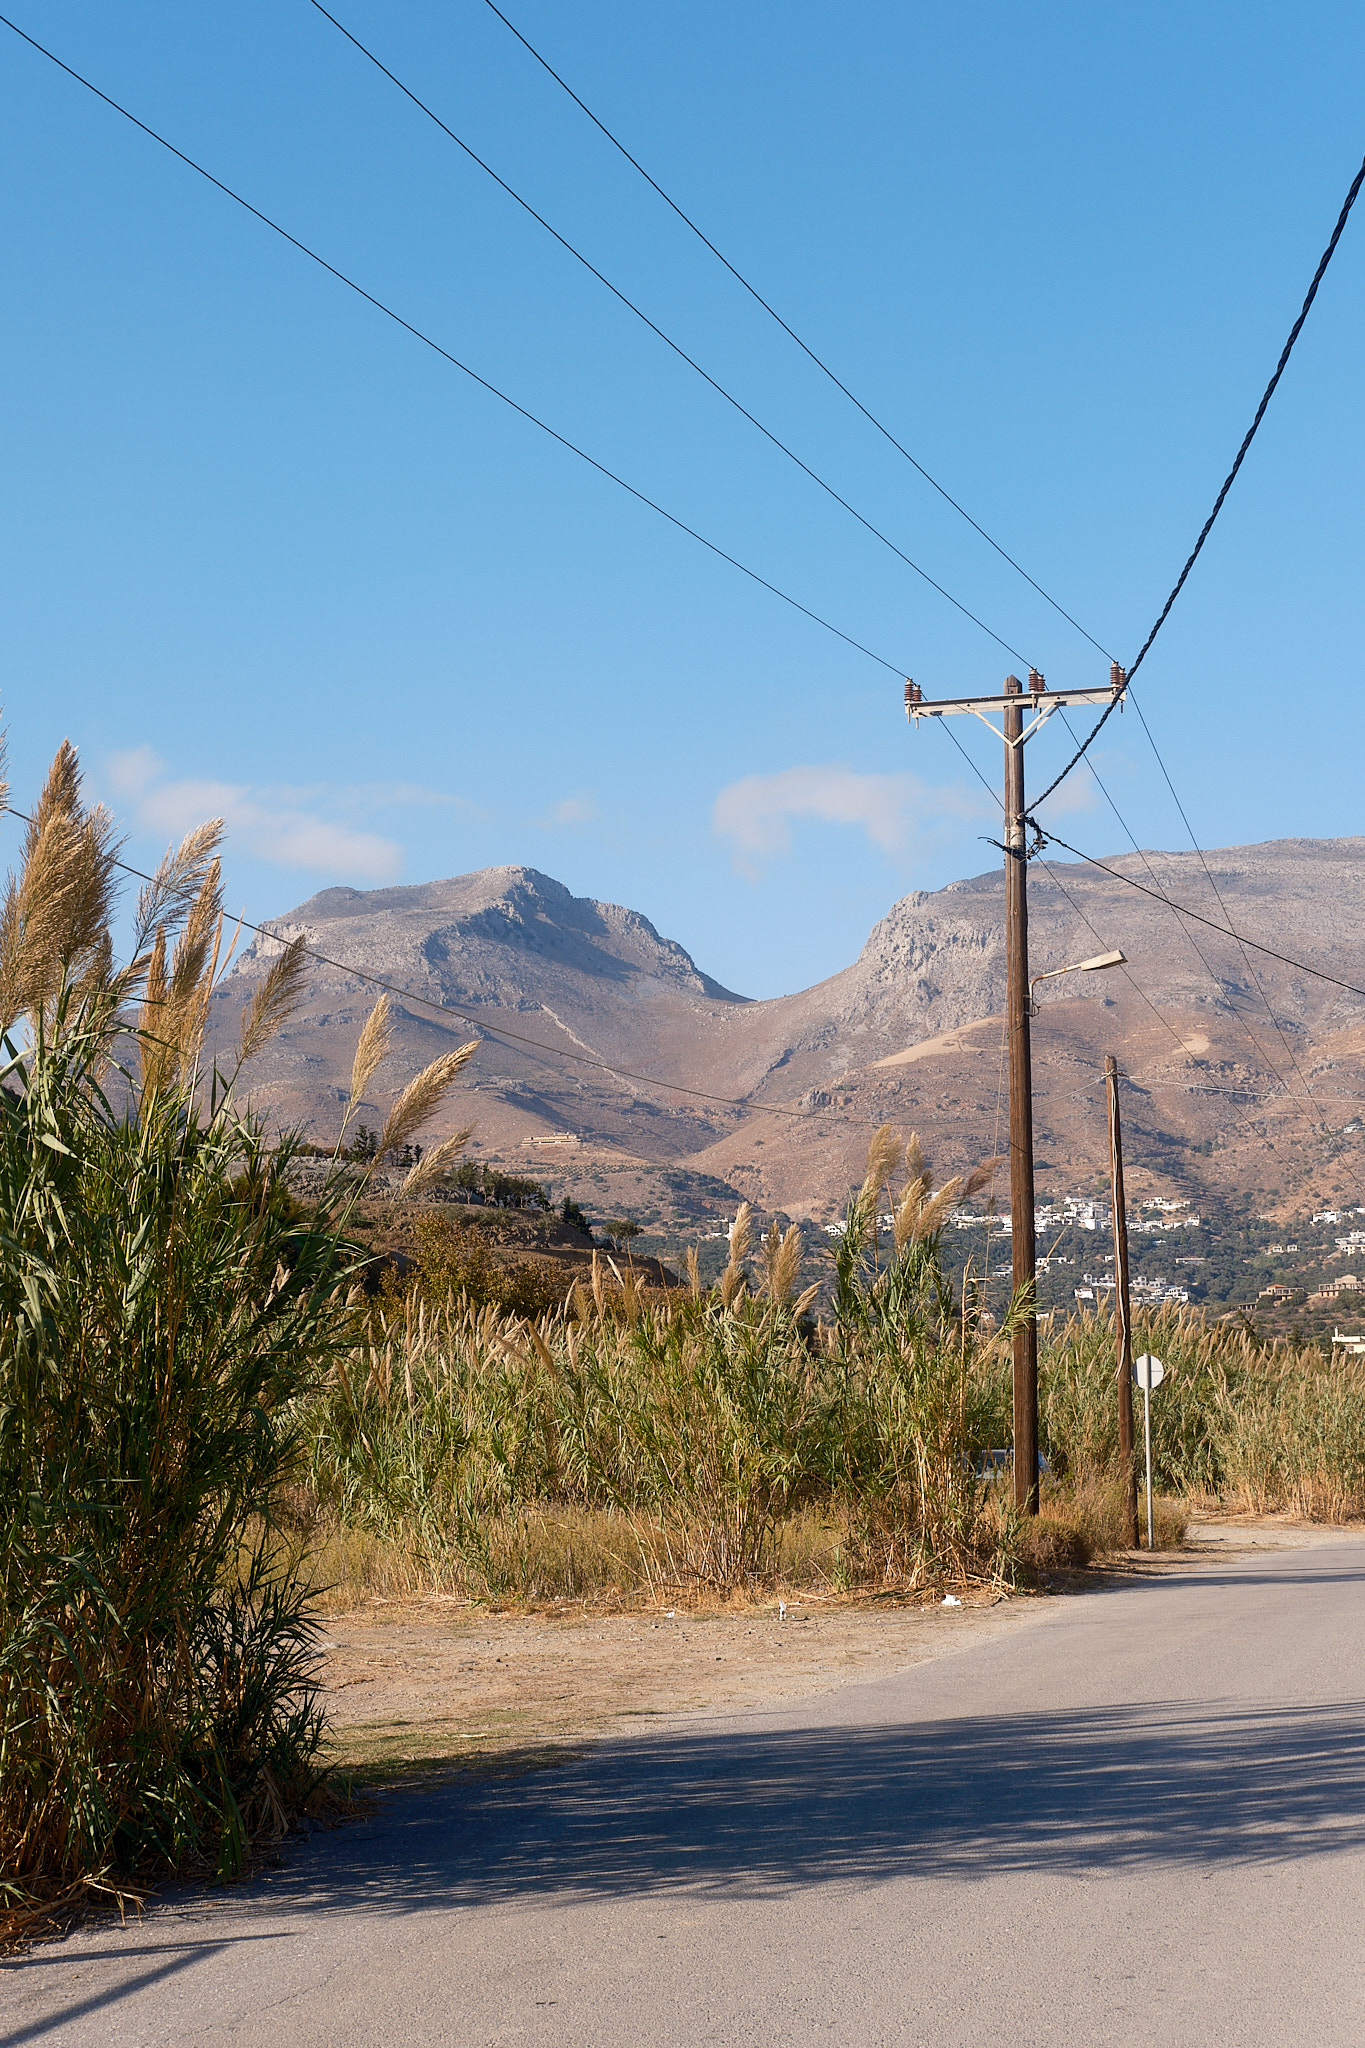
(441, 1683)
(437, 1683)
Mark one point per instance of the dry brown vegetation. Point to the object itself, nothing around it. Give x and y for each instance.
(627, 1444)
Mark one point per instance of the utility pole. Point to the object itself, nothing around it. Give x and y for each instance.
(1123, 1321)
(1015, 732)
(1023, 1251)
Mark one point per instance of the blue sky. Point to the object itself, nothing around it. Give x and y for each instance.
(266, 555)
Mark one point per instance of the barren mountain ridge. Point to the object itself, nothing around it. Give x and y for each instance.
(1243, 1070)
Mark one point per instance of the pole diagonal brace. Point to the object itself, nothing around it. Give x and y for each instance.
(988, 709)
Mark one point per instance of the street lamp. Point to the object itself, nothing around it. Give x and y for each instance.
(1100, 960)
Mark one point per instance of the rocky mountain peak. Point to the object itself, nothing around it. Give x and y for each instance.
(508, 926)
(600, 1034)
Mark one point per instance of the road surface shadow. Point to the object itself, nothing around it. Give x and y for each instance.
(1095, 1791)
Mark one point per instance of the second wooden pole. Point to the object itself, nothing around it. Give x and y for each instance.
(1023, 1259)
(1123, 1319)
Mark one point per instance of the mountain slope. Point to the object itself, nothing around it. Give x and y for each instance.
(1230, 1051)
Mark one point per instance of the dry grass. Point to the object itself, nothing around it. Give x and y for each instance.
(551, 1554)
(273, 1002)
(633, 1446)
(372, 1049)
(422, 1098)
(557, 1553)
(1083, 1524)
(624, 1444)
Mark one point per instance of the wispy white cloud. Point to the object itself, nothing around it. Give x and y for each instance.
(276, 825)
(755, 814)
(1077, 794)
(570, 810)
(133, 770)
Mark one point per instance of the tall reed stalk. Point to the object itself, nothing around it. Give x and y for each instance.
(166, 1308)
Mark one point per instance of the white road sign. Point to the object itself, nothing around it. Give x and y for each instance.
(1149, 1372)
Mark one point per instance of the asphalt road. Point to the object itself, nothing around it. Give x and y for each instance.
(1137, 1820)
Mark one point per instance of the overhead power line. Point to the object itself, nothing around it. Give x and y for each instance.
(418, 334)
(1104, 943)
(1184, 910)
(665, 338)
(804, 346)
(1159, 894)
(1228, 480)
(1082, 750)
(1126, 966)
(1250, 434)
(1304, 1107)
(1162, 1019)
(1189, 938)
(1247, 961)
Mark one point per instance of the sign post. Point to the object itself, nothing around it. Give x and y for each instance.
(1149, 1372)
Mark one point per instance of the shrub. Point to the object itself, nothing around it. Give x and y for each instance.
(165, 1305)
(453, 1260)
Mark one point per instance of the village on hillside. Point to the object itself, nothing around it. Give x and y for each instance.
(1301, 1278)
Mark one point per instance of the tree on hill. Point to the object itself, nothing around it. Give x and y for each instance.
(503, 1190)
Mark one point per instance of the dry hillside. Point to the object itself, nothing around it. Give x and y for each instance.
(1244, 1071)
